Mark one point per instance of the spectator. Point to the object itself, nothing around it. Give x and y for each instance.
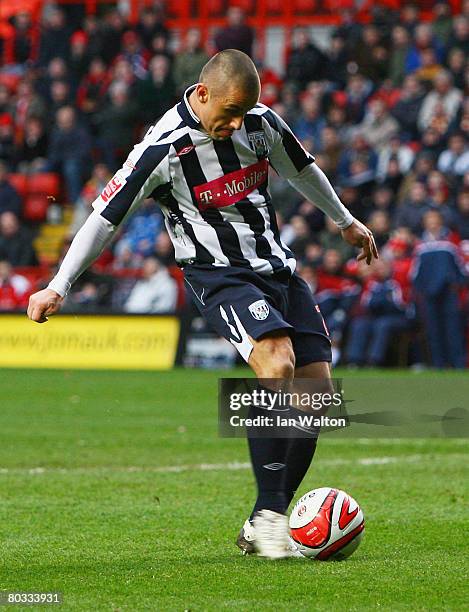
(159, 46)
(331, 239)
(60, 96)
(407, 108)
(189, 61)
(337, 60)
(310, 123)
(337, 119)
(111, 34)
(122, 72)
(155, 293)
(31, 154)
(410, 17)
(454, 161)
(429, 67)
(151, 25)
(358, 150)
(15, 241)
(69, 151)
(115, 125)
(460, 35)
(394, 149)
(398, 55)
(383, 199)
(164, 249)
(457, 65)
(423, 40)
(305, 62)
(443, 96)
(14, 288)
(462, 213)
(6, 105)
(57, 70)
(330, 148)
(87, 298)
(296, 234)
(357, 92)
(93, 88)
(383, 315)
(410, 213)
(22, 37)
(432, 143)
(54, 37)
(100, 177)
(135, 54)
(157, 93)
(7, 140)
(80, 57)
(370, 55)
(442, 23)
(437, 272)
(93, 30)
(141, 232)
(9, 197)
(236, 34)
(380, 224)
(336, 293)
(378, 125)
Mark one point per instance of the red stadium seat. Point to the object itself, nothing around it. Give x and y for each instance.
(36, 275)
(10, 81)
(245, 5)
(35, 208)
(304, 7)
(45, 183)
(19, 182)
(176, 8)
(215, 7)
(274, 7)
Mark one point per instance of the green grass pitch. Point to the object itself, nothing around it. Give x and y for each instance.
(116, 490)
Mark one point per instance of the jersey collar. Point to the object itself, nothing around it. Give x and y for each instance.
(186, 112)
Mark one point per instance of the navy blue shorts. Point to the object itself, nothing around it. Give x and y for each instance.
(237, 303)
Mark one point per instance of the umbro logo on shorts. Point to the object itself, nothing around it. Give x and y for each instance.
(259, 310)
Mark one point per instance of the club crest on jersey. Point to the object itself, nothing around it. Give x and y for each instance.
(259, 310)
(258, 143)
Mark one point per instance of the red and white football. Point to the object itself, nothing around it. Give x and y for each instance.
(326, 524)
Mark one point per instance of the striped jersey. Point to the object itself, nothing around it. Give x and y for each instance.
(213, 193)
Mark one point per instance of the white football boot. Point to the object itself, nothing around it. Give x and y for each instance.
(271, 536)
(245, 540)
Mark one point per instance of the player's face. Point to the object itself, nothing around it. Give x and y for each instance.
(223, 114)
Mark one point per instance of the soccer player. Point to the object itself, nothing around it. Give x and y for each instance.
(206, 161)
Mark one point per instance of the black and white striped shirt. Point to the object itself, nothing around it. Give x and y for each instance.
(213, 193)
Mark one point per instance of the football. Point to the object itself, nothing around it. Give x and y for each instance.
(326, 524)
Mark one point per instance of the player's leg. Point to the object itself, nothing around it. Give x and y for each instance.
(301, 449)
(248, 311)
(273, 361)
(313, 356)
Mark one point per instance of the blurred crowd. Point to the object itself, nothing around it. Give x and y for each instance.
(383, 107)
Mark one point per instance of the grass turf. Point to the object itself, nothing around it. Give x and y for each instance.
(92, 504)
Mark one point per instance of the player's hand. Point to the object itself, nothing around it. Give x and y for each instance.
(43, 304)
(359, 235)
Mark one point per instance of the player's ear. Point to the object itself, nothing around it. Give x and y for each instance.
(202, 93)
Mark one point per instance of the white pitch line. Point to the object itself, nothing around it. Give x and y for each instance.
(232, 466)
